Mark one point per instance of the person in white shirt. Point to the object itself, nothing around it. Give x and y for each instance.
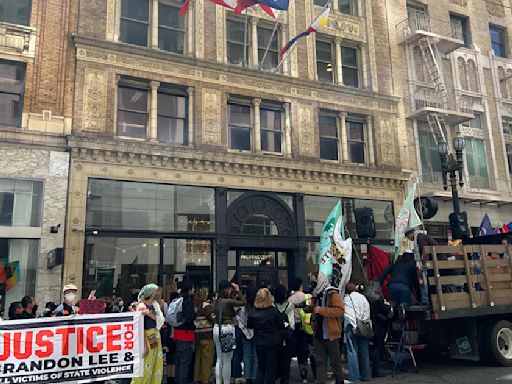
(358, 356)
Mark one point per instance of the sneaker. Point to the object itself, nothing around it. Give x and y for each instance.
(401, 312)
(304, 381)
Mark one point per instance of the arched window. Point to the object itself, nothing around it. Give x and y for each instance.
(472, 76)
(259, 225)
(503, 84)
(462, 73)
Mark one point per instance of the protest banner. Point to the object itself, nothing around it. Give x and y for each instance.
(73, 349)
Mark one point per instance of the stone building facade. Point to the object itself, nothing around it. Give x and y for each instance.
(36, 96)
(472, 39)
(191, 157)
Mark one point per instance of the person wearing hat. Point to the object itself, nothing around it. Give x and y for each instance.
(420, 241)
(67, 308)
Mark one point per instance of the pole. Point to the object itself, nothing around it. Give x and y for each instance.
(244, 61)
(270, 40)
(455, 192)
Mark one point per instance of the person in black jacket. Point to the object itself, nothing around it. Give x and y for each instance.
(267, 322)
(404, 280)
(184, 335)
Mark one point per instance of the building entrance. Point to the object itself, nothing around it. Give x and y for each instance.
(261, 268)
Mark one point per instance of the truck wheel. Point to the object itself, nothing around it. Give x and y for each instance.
(497, 343)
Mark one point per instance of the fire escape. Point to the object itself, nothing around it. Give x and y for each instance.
(431, 101)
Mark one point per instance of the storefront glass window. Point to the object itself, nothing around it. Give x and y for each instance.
(20, 203)
(19, 263)
(114, 204)
(259, 225)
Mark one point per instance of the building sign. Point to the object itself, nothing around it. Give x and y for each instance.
(75, 349)
(426, 207)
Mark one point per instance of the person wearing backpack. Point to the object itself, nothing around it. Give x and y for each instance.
(286, 309)
(182, 320)
(204, 338)
(224, 329)
(303, 331)
(357, 312)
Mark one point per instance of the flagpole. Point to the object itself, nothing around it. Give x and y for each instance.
(245, 39)
(260, 65)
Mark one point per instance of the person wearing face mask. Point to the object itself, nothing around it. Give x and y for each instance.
(67, 308)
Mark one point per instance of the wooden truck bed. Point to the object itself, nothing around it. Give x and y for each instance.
(470, 277)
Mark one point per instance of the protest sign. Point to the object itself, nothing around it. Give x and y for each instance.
(73, 349)
(92, 307)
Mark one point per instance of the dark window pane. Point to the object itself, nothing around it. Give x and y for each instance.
(356, 152)
(350, 77)
(323, 51)
(6, 208)
(235, 31)
(172, 130)
(328, 126)
(135, 9)
(329, 149)
(10, 109)
(240, 138)
(171, 41)
(356, 131)
(236, 54)
(325, 71)
(134, 33)
(169, 16)
(133, 99)
(172, 105)
(498, 41)
(264, 37)
(349, 56)
(131, 124)
(271, 60)
(320, 3)
(239, 114)
(270, 119)
(15, 12)
(271, 141)
(347, 7)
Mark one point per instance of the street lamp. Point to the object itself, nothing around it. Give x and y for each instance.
(451, 165)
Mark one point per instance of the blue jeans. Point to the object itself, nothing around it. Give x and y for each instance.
(250, 359)
(424, 290)
(358, 356)
(401, 295)
(236, 363)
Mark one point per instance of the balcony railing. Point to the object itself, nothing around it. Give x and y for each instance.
(421, 22)
(426, 97)
(479, 182)
(433, 178)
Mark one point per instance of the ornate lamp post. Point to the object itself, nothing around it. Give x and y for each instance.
(451, 165)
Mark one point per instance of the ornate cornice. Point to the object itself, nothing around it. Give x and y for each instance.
(161, 63)
(154, 155)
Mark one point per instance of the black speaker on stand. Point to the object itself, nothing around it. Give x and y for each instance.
(365, 223)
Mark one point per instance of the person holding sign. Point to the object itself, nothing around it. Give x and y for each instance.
(67, 308)
(153, 321)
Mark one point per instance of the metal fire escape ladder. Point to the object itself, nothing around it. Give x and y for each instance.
(432, 60)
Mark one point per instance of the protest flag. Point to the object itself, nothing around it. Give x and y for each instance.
(407, 218)
(485, 227)
(326, 241)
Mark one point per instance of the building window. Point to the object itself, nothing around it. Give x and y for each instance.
(350, 66)
(240, 126)
(172, 117)
(236, 39)
(15, 12)
(12, 77)
(460, 29)
(132, 111)
(356, 138)
(272, 57)
(135, 22)
(498, 40)
(477, 163)
(348, 7)
(320, 3)
(324, 61)
(271, 128)
(329, 138)
(475, 122)
(507, 124)
(430, 160)
(171, 28)
(125, 205)
(20, 203)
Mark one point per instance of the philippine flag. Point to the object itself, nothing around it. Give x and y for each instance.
(317, 25)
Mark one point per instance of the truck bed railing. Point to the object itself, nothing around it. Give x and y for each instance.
(469, 276)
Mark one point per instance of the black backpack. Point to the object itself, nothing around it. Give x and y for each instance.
(287, 332)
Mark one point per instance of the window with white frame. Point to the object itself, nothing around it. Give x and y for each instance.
(172, 116)
(329, 135)
(15, 12)
(240, 125)
(350, 66)
(137, 24)
(325, 61)
(356, 138)
(476, 163)
(348, 7)
(20, 203)
(238, 42)
(12, 77)
(271, 127)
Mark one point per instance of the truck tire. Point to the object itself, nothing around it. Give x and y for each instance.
(496, 343)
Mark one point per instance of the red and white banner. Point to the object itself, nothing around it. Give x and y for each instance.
(73, 349)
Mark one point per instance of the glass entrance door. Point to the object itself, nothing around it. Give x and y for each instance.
(261, 268)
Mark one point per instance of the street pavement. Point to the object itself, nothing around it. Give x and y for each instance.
(445, 372)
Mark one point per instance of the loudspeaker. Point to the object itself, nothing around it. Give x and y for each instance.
(365, 223)
(459, 225)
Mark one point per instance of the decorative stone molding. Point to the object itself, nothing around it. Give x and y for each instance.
(212, 117)
(18, 40)
(95, 100)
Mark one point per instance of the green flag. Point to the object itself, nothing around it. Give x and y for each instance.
(407, 218)
(325, 255)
